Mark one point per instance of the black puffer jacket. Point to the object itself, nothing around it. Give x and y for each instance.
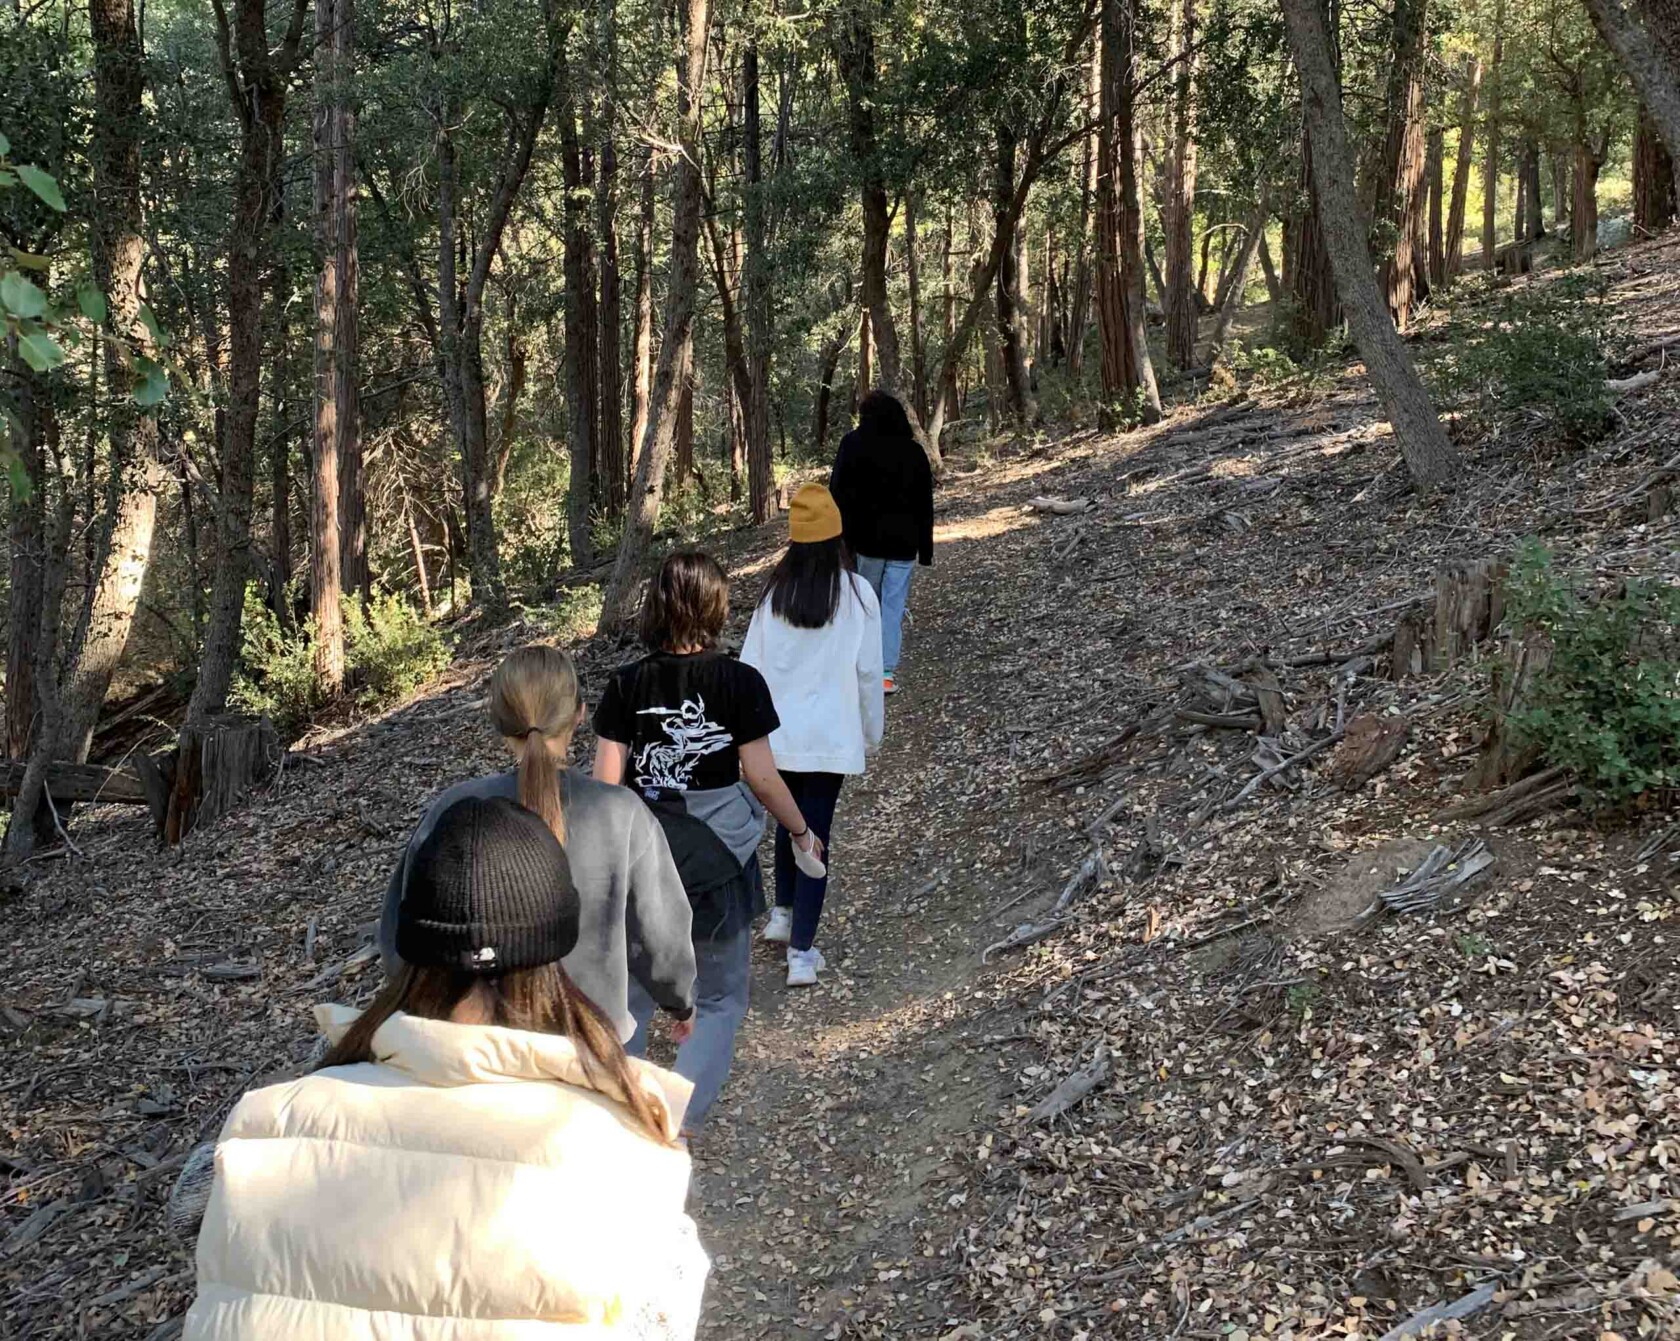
(884, 487)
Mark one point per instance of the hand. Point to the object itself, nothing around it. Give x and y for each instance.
(809, 843)
(682, 1030)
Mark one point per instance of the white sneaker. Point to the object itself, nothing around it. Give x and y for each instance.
(803, 966)
(779, 929)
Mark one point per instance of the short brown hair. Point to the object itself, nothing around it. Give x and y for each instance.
(687, 602)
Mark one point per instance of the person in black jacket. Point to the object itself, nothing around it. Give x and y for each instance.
(884, 486)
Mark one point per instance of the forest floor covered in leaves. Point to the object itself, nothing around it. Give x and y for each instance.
(1297, 1112)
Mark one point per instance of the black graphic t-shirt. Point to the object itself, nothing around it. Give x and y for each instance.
(684, 718)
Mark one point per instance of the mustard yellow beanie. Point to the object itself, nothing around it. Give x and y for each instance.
(813, 516)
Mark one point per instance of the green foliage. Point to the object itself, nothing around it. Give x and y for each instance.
(391, 649)
(1301, 998)
(1538, 357)
(1473, 945)
(276, 678)
(1607, 706)
(573, 616)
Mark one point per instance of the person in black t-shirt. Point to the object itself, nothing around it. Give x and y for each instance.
(688, 728)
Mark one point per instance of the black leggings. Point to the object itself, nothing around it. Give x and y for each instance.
(816, 795)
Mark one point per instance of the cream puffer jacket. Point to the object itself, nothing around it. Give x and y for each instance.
(473, 1184)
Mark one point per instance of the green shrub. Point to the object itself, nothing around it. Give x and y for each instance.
(1607, 706)
(276, 677)
(1540, 355)
(573, 616)
(390, 649)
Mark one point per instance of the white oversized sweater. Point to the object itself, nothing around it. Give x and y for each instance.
(473, 1184)
(826, 683)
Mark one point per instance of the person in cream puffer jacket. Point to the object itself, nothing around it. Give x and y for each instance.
(476, 1159)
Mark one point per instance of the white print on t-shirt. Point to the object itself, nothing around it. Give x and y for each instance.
(691, 738)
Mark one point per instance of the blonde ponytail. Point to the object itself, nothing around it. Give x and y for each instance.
(533, 703)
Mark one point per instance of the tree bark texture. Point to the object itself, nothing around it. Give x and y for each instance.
(579, 361)
(1079, 308)
(1490, 154)
(1317, 306)
(610, 481)
(1653, 179)
(912, 268)
(755, 284)
(257, 79)
(355, 571)
(1430, 456)
(26, 555)
(1274, 286)
(1128, 374)
(1395, 193)
(122, 553)
(1179, 298)
(326, 552)
(1583, 211)
(676, 349)
(1653, 71)
(1435, 174)
(1453, 243)
(1012, 340)
(641, 343)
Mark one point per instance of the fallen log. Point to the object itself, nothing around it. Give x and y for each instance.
(78, 782)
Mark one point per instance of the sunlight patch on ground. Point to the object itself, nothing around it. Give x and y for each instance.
(996, 522)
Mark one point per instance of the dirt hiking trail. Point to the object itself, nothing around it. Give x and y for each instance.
(1207, 1093)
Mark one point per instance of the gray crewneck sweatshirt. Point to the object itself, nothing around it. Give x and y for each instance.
(635, 917)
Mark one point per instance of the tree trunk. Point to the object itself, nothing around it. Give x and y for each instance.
(26, 540)
(1653, 72)
(1011, 336)
(918, 360)
(280, 458)
(1560, 187)
(1490, 154)
(677, 347)
(1274, 287)
(1435, 171)
(1128, 375)
(1178, 298)
(610, 482)
(1583, 213)
(1079, 309)
(1653, 179)
(1453, 244)
(865, 361)
(258, 78)
(578, 363)
(354, 568)
(856, 53)
(1394, 194)
(641, 351)
(1238, 284)
(1312, 281)
(1430, 456)
(1534, 224)
(948, 396)
(120, 559)
(419, 553)
(755, 284)
(461, 306)
(326, 551)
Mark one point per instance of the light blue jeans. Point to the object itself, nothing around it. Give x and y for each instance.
(723, 975)
(891, 580)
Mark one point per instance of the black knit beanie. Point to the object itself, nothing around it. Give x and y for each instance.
(489, 891)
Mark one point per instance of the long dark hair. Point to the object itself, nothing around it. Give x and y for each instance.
(882, 414)
(541, 1000)
(805, 588)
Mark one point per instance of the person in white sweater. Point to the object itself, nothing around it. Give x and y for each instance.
(816, 640)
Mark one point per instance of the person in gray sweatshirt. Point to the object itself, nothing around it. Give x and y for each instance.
(636, 922)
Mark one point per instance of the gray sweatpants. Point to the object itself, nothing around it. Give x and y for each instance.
(723, 975)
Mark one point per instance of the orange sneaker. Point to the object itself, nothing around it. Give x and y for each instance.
(889, 685)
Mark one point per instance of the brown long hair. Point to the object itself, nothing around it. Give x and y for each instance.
(687, 603)
(543, 1000)
(534, 698)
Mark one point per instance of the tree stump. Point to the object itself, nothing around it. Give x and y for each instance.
(1468, 606)
(1372, 743)
(1503, 761)
(215, 762)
